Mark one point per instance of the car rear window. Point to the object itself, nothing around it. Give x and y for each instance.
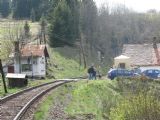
(157, 71)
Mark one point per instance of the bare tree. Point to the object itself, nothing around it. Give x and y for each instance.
(12, 32)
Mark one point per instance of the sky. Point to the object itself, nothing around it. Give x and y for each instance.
(137, 5)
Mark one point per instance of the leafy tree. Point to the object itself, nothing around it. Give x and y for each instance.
(114, 44)
(33, 16)
(27, 8)
(43, 24)
(41, 7)
(26, 30)
(88, 27)
(61, 26)
(5, 7)
(22, 9)
(75, 9)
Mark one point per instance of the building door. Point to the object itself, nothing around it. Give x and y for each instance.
(10, 69)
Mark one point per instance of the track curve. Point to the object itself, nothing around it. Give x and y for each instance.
(13, 107)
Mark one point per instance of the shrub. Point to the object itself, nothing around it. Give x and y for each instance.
(133, 86)
(139, 107)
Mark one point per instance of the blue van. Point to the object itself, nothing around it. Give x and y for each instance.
(152, 73)
(120, 72)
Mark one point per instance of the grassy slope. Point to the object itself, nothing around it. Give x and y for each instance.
(63, 67)
(93, 98)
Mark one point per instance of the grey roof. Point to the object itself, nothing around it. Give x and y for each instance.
(141, 54)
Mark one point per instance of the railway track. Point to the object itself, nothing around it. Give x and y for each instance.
(13, 107)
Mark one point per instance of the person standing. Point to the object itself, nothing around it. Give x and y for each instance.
(91, 72)
(94, 74)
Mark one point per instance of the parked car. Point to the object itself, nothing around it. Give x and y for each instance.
(152, 73)
(120, 72)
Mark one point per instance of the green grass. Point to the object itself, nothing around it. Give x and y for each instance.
(88, 98)
(41, 113)
(94, 98)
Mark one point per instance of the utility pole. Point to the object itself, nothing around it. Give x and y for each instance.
(3, 77)
(32, 63)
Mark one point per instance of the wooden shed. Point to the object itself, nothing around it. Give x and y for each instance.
(17, 80)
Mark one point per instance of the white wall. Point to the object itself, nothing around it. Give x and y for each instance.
(16, 65)
(42, 66)
(39, 66)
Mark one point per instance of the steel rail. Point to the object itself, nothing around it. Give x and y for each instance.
(26, 107)
(5, 99)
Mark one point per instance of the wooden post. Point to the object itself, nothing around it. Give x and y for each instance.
(3, 77)
(32, 63)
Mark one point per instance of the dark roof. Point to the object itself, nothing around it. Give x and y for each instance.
(141, 54)
(34, 50)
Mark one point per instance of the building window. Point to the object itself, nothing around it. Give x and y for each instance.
(42, 60)
(26, 67)
(34, 62)
(122, 65)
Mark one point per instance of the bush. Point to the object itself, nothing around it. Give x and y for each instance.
(139, 107)
(133, 86)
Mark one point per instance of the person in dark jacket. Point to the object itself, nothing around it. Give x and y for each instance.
(91, 72)
(94, 74)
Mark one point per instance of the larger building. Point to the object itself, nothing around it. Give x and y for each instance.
(144, 56)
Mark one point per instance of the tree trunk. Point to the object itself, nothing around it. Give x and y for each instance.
(82, 51)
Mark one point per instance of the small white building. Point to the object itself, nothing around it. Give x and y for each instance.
(31, 61)
(122, 62)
